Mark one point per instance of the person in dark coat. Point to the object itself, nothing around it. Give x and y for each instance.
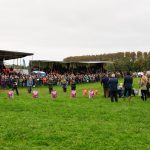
(113, 87)
(104, 82)
(73, 84)
(128, 81)
(50, 84)
(15, 85)
(64, 84)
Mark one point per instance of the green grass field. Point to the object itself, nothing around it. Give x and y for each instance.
(67, 123)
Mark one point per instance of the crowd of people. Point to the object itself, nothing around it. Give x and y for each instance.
(109, 81)
(21, 79)
(15, 80)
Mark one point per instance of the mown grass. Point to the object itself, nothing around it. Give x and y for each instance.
(67, 123)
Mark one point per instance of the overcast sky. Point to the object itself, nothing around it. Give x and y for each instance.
(55, 29)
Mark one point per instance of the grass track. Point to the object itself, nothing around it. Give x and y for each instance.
(80, 123)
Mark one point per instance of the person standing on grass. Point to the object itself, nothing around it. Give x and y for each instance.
(50, 83)
(64, 84)
(15, 85)
(113, 87)
(143, 87)
(148, 86)
(104, 82)
(128, 81)
(29, 84)
(73, 84)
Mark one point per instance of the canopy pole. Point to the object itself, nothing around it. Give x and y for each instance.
(39, 65)
(31, 64)
(20, 61)
(13, 63)
(17, 63)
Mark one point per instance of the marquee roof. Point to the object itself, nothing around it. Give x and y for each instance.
(65, 62)
(7, 55)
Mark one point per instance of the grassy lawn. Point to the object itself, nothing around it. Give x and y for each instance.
(67, 123)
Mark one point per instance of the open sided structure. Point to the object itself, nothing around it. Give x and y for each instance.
(7, 55)
(63, 66)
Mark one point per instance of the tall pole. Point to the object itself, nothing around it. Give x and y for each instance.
(17, 63)
(39, 65)
(3, 61)
(13, 63)
(20, 61)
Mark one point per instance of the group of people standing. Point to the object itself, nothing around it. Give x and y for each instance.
(112, 90)
(50, 83)
(63, 82)
(110, 84)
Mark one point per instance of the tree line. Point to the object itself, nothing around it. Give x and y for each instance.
(122, 61)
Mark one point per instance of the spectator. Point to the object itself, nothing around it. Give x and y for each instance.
(148, 86)
(143, 87)
(64, 84)
(113, 85)
(104, 82)
(15, 85)
(29, 84)
(128, 81)
(50, 84)
(73, 84)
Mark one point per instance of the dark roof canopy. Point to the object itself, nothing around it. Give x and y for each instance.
(6, 55)
(79, 62)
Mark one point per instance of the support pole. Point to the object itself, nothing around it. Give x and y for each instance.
(17, 63)
(39, 65)
(20, 61)
(13, 63)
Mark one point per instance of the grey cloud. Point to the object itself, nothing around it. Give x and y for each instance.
(74, 27)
